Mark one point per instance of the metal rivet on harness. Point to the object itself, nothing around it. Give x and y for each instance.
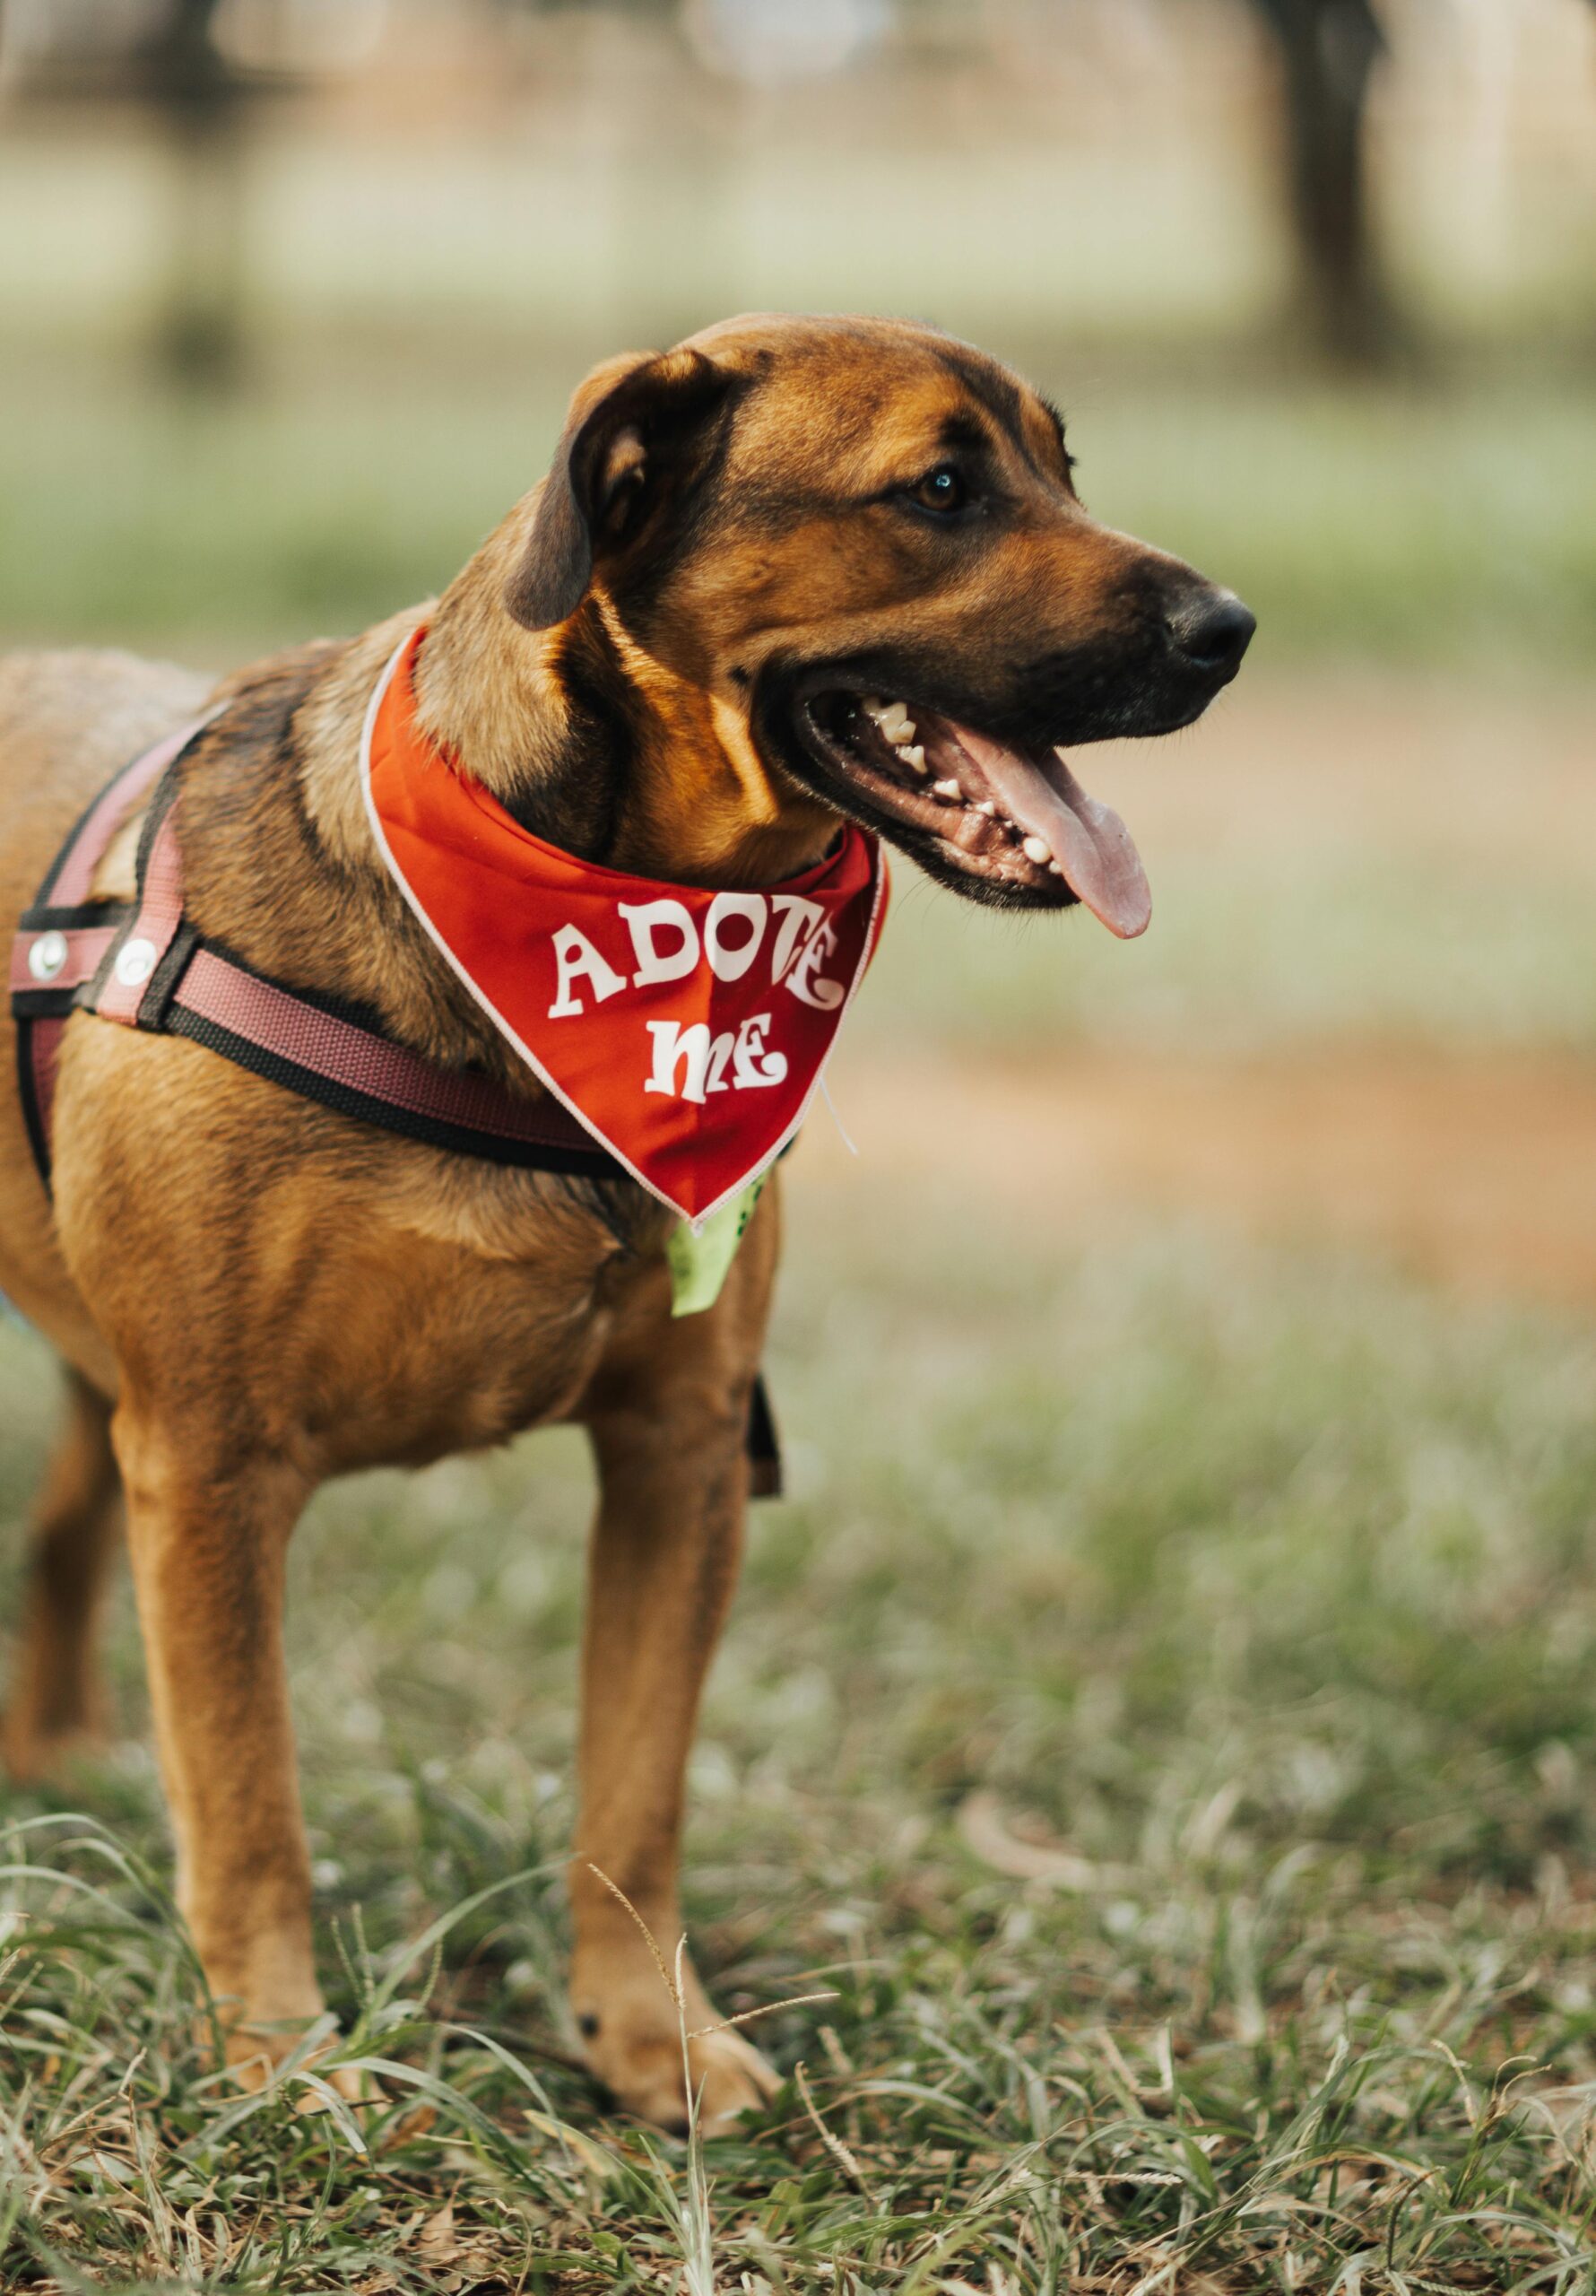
(48, 955)
(135, 961)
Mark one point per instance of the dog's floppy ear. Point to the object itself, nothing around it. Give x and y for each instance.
(629, 441)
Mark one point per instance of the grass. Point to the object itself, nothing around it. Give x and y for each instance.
(1202, 1886)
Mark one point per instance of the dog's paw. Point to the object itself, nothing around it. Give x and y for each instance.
(637, 2057)
(731, 2078)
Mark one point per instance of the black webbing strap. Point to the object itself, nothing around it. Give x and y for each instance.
(141, 964)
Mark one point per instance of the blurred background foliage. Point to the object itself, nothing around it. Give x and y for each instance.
(293, 290)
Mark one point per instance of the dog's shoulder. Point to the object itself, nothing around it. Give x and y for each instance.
(67, 721)
(258, 875)
(69, 718)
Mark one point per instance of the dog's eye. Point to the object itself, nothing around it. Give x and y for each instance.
(941, 489)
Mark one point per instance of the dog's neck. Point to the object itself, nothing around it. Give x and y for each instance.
(582, 735)
(596, 746)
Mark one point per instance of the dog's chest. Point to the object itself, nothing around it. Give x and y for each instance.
(436, 1349)
(470, 1306)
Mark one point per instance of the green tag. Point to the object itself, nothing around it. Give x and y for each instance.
(699, 1262)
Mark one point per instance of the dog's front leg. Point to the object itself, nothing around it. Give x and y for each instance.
(207, 1534)
(666, 1545)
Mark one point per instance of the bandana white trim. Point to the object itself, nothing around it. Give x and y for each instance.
(525, 1050)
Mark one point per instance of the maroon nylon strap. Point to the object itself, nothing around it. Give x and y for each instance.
(213, 988)
(69, 881)
(37, 1058)
(83, 948)
(114, 965)
(141, 964)
(155, 921)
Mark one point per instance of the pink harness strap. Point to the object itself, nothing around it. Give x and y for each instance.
(36, 1063)
(261, 1014)
(140, 964)
(65, 939)
(84, 947)
(69, 881)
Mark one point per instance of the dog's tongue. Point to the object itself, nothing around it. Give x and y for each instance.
(1089, 842)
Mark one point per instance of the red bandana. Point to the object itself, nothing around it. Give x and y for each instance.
(686, 1029)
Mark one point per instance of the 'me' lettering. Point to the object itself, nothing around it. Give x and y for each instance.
(785, 931)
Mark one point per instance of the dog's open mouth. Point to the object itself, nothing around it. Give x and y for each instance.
(1017, 818)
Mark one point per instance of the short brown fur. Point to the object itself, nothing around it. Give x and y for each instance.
(253, 1294)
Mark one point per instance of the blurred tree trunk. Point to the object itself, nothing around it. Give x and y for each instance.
(1328, 51)
(199, 332)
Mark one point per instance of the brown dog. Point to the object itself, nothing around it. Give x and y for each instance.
(661, 660)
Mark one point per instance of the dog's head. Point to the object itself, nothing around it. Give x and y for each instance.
(850, 554)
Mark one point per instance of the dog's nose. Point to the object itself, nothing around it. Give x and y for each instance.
(1212, 628)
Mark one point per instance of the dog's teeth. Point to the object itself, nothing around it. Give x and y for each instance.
(988, 808)
(912, 754)
(1037, 849)
(890, 718)
(945, 788)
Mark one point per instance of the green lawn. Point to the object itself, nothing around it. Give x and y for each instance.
(1263, 1584)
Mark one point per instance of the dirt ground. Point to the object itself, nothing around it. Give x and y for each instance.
(1431, 768)
(1478, 1171)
